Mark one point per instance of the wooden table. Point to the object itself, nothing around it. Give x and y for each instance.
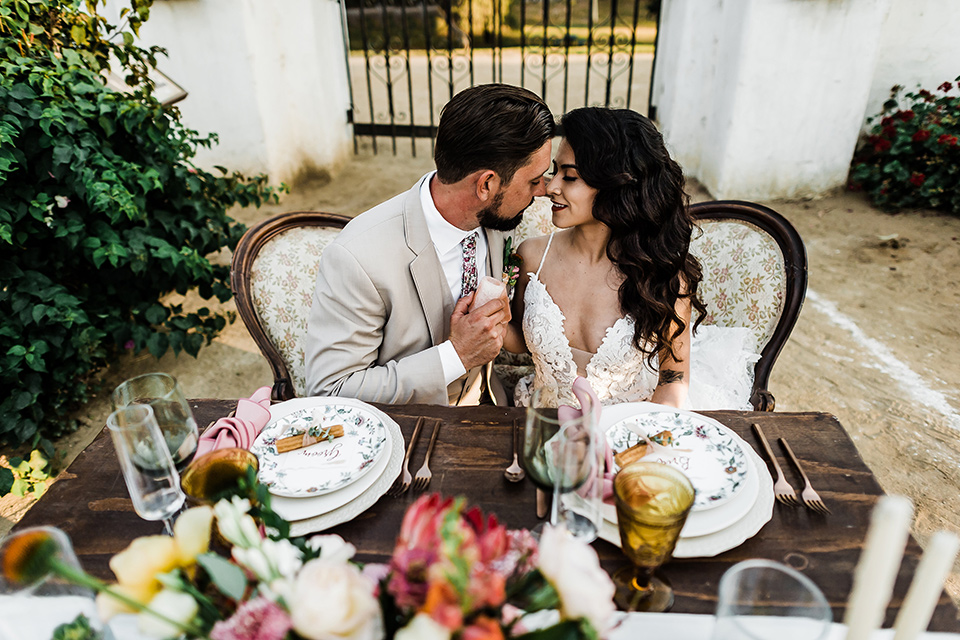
(89, 502)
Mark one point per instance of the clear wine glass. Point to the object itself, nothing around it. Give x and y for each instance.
(177, 424)
(653, 501)
(148, 469)
(558, 455)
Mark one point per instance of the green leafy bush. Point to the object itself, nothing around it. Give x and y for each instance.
(911, 159)
(102, 213)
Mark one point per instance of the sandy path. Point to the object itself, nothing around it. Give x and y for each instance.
(875, 344)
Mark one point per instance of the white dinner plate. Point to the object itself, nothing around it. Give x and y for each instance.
(703, 449)
(708, 545)
(326, 466)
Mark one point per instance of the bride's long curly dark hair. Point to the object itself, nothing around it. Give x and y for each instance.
(641, 198)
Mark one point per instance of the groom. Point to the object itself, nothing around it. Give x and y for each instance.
(391, 319)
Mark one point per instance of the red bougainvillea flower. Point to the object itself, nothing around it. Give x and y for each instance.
(947, 139)
(921, 135)
(917, 179)
(906, 116)
(887, 122)
(946, 86)
(882, 145)
(926, 95)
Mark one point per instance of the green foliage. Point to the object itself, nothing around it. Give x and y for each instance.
(102, 213)
(911, 159)
(30, 476)
(79, 629)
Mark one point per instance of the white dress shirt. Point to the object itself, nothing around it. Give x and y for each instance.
(446, 241)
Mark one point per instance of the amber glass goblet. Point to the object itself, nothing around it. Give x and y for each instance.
(653, 501)
(208, 477)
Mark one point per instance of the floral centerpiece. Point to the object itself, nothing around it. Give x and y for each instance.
(453, 574)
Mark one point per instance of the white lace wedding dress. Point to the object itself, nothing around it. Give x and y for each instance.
(721, 361)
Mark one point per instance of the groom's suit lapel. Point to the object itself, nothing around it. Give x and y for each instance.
(425, 269)
(494, 253)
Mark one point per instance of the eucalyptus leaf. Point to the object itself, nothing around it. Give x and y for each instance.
(228, 577)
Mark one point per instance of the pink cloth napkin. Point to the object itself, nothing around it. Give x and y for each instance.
(251, 417)
(588, 397)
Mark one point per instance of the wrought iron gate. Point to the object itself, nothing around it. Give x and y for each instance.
(407, 58)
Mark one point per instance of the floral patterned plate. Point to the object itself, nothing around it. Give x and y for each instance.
(325, 466)
(705, 451)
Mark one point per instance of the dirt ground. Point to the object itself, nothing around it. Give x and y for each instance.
(876, 343)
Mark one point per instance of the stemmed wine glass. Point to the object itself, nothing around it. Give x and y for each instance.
(559, 455)
(653, 501)
(148, 469)
(177, 424)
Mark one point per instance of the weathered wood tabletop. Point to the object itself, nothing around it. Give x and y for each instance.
(89, 502)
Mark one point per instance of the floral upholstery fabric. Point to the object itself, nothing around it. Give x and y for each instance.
(282, 280)
(744, 279)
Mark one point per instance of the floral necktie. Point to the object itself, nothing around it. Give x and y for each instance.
(469, 246)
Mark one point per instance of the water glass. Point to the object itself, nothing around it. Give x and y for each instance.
(177, 424)
(33, 606)
(761, 599)
(148, 469)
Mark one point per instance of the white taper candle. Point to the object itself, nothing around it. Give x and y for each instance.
(927, 584)
(878, 566)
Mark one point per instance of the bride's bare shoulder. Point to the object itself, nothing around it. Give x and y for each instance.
(531, 249)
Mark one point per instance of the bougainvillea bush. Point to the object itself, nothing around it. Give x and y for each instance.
(911, 159)
(102, 212)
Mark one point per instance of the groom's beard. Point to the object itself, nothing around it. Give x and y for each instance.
(489, 218)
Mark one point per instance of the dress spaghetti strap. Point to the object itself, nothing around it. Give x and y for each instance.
(549, 240)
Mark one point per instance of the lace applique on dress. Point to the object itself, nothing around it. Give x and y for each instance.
(721, 365)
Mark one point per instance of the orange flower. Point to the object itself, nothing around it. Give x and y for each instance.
(443, 605)
(482, 628)
(26, 557)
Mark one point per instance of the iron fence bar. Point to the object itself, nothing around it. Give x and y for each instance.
(546, 24)
(566, 57)
(346, 58)
(651, 108)
(428, 45)
(406, 46)
(366, 61)
(633, 49)
(523, 40)
(499, 6)
(586, 89)
(614, 9)
(450, 49)
(470, 38)
(386, 62)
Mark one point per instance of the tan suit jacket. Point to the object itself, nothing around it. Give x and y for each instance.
(381, 306)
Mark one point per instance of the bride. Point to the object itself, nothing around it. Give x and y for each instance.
(610, 296)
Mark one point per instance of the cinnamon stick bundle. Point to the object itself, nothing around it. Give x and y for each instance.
(312, 436)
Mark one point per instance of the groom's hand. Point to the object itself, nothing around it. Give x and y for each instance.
(477, 335)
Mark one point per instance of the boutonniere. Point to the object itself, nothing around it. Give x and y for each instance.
(511, 266)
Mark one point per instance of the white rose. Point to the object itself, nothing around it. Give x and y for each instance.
(423, 627)
(234, 523)
(573, 568)
(333, 600)
(176, 606)
(332, 547)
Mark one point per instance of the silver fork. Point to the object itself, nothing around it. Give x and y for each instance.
(810, 497)
(402, 483)
(782, 490)
(424, 475)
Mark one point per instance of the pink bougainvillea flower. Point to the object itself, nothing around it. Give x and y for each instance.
(259, 619)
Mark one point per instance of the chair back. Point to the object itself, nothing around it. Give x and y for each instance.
(273, 275)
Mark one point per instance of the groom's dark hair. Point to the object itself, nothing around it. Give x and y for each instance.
(490, 126)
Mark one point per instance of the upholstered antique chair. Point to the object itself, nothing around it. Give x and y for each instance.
(754, 276)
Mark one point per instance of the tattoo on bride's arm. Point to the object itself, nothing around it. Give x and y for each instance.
(669, 375)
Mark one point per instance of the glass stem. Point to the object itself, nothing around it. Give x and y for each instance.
(168, 526)
(641, 578)
(555, 506)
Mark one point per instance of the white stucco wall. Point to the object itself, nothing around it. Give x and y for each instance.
(919, 47)
(269, 78)
(762, 99)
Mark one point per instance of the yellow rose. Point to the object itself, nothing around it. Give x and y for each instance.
(191, 532)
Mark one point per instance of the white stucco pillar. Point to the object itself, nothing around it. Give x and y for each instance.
(269, 78)
(764, 99)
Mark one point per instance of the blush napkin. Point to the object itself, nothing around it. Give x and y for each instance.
(241, 430)
(587, 396)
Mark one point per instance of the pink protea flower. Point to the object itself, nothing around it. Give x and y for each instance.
(259, 619)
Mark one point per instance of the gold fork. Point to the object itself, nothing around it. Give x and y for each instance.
(402, 483)
(810, 497)
(424, 475)
(782, 490)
